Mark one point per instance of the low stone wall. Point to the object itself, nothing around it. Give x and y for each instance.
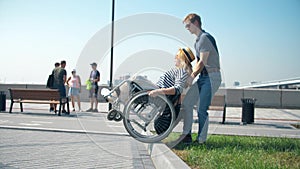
(269, 98)
(84, 95)
(272, 98)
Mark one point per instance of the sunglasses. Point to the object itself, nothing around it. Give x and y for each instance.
(188, 25)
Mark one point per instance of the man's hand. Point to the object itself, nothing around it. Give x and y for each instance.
(189, 81)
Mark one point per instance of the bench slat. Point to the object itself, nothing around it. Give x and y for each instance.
(39, 101)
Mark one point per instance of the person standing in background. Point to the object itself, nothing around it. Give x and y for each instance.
(93, 94)
(60, 76)
(74, 84)
(52, 106)
(57, 64)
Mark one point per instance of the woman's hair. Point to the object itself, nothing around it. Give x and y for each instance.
(184, 62)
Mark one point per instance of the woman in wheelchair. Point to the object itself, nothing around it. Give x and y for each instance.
(174, 80)
(171, 84)
(149, 110)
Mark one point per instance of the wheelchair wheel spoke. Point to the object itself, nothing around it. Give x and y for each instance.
(138, 124)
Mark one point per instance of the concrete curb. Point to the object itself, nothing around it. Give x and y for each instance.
(163, 157)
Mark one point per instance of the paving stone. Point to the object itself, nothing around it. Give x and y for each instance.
(38, 149)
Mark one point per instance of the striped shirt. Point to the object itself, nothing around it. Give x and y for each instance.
(175, 77)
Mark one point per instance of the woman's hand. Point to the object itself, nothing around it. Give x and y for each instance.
(154, 93)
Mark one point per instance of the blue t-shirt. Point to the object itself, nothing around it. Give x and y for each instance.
(95, 74)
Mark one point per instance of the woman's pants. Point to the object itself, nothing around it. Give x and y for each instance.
(201, 94)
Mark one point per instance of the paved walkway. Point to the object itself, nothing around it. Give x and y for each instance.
(39, 139)
(40, 149)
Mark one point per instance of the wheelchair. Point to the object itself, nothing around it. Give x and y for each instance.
(147, 119)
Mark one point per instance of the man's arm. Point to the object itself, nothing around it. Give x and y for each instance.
(65, 76)
(79, 80)
(200, 64)
(97, 77)
(68, 81)
(198, 67)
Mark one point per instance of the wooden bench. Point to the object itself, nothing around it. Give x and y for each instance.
(37, 96)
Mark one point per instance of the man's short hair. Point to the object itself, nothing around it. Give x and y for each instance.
(63, 62)
(57, 64)
(193, 17)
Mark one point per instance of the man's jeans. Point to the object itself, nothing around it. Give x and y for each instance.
(201, 94)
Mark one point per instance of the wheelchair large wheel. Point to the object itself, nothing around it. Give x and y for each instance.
(149, 119)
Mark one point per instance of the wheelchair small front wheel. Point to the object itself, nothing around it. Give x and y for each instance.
(143, 114)
(118, 117)
(112, 114)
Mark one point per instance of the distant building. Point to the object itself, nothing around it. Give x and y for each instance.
(121, 79)
(254, 83)
(293, 83)
(236, 83)
(222, 84)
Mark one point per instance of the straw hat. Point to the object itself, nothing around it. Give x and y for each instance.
(188, 53)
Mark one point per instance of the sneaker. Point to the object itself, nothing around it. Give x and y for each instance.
(187, 139)
(64, 111)
(181, 142)
(73, 110)
(95, 110)
(89, 110)
(80, 110)
(183, 139)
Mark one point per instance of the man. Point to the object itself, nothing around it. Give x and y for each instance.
(207, 69)
(60, 76)
(94, 78)
(50, 84)
(57, 64)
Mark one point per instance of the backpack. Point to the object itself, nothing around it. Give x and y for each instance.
(50, 81)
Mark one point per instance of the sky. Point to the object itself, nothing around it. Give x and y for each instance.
(258, 40)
